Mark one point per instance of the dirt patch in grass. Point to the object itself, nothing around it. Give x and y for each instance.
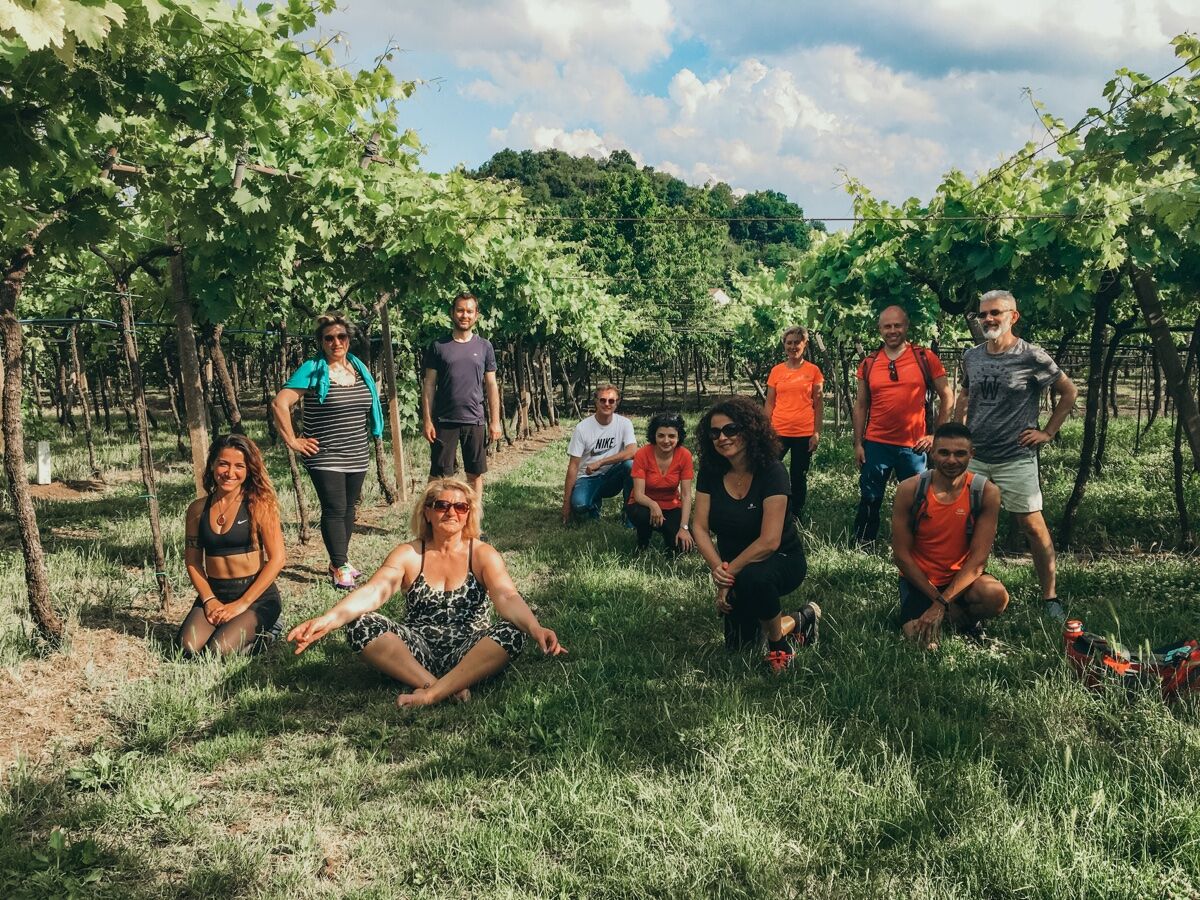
(55, 703)
(67, 490)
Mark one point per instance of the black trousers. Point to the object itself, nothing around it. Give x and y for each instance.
(801, 459)
(757, 592)
(338, 493)
(639, 516)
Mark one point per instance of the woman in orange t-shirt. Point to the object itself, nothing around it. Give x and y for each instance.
(796, 408)
(662, 474)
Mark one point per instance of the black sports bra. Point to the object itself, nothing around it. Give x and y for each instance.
(234, 541)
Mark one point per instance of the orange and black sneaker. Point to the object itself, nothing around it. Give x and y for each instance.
(808, 620)
(779, 660)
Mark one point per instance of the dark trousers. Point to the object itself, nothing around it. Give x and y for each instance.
(881, 461)
(338, 493)
(801, 459)
(756, 594)
(639, 516)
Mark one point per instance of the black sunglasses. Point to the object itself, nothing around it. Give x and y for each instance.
(892, 373)
(462, 507)
(606, 399)
(730, 429)
(338, 338)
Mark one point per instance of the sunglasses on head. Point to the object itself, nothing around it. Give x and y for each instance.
(336, 338)
(892, 373)
(729, 429)
(462, 507)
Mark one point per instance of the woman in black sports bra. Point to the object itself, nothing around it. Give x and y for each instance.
(234, 552)
(446, 641)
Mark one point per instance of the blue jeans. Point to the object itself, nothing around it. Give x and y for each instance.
(881, 461)
(590, 490)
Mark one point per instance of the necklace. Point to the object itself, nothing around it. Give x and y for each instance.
(221, 512)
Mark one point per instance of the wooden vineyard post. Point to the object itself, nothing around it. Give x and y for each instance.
(149, 480)
(293, 466)
(189, 370)
(81, 389)
(399, 463)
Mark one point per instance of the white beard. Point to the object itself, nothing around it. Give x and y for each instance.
(996, 331)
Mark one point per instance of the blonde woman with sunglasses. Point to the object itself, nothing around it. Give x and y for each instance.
(446, 641)
(341, 415)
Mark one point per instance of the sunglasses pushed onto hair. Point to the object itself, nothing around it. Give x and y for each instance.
(729, 429)
(462, 507)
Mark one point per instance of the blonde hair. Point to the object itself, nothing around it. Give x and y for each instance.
(420, 526)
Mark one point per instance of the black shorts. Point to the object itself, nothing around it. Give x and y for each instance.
(912, 602)
(451, 436)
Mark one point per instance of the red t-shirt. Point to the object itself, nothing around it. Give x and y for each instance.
(897, 413)
(663, 489)
(793, 415)
(940, 545)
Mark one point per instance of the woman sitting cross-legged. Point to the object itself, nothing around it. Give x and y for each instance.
(661, 499)
(742, 495)
(446, 642)
(234, 553)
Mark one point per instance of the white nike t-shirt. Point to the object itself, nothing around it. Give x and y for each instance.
(592, 442)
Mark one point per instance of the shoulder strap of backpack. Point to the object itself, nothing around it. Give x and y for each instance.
(867, 364)
(978, 484)
(918, 504)
(923, 364)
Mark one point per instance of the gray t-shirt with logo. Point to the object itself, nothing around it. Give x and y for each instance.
(1003, 393)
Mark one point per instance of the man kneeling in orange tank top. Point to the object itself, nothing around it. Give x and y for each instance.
(943, 527)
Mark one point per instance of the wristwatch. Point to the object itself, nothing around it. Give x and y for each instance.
(685, 527)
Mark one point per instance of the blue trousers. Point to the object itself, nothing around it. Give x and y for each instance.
(881, 461)
(590, 490)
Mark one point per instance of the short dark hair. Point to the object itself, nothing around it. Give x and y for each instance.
(465, 295)
(762, 444)
(952, 430)
(666, 420)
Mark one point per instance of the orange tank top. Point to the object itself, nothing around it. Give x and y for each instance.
(940, 545)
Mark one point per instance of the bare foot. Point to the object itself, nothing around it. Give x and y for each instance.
(419, 697)
(463, 696)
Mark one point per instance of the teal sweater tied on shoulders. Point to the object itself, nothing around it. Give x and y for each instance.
(314, 376)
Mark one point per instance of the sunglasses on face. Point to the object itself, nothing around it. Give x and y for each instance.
(461, 507)
(992, 313)
(336, 338)
(729, 429)
(606, 400)
(892, 373)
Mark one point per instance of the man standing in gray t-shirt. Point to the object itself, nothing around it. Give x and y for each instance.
(1002, 384)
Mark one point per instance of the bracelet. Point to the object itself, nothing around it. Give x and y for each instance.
(204, 602)
(942, 600)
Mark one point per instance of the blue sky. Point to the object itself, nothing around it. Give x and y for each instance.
(773, 94)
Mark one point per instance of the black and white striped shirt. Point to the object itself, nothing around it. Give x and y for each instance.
(342, 427)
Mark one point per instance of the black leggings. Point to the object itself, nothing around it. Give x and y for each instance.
(338, 493)
(240, 633)
(757, 591)
(801, 458)
(639, 517)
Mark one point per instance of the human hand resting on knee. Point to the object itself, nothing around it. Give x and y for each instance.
(219, 613)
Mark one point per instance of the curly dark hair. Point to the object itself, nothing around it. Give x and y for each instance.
(666, 420)
(762, 444)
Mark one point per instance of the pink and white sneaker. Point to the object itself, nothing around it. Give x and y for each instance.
(342, 579)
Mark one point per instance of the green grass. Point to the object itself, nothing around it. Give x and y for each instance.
(647, 762)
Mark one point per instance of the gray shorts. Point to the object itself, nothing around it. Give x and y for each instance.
(1019, 482)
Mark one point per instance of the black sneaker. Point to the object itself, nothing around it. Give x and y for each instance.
(808, 619)
(975, 634)
(1054, 610)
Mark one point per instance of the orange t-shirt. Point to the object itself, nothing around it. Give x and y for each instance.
(940, 545)
(897, 414)
(793, 415)
(663, 489)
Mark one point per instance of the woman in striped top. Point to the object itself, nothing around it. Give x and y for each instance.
(341, 415)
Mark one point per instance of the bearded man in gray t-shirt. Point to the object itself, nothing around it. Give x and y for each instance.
(1001, 387)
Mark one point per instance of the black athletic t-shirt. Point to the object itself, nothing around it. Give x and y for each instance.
(738, 523)
(460, 368)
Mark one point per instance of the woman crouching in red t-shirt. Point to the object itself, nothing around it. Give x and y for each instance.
(662, 485)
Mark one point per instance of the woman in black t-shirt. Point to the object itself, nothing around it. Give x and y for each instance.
(743, 494)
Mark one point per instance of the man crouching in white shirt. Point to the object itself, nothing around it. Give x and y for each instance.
(601, 451)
